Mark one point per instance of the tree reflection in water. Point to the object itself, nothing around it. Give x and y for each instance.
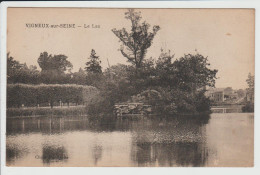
(170, 154)
(178, 142)
(14, 152)
(174, 141)
(97, 153)
(52, 153)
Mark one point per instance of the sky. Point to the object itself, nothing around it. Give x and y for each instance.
(225, 36)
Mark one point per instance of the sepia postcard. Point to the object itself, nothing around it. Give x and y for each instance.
(129, 87)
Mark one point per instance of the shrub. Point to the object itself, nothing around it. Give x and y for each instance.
(249, 107)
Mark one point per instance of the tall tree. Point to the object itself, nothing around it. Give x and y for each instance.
(93, 65)
(136, 42)
(58, 63)
(193, 72)
(54, 68)
(12, 65)
(251, 86)
(21, 73)
(251, 82)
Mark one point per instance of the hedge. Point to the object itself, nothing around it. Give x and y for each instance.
(32, 95)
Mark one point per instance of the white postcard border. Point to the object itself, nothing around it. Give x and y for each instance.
(128, 4)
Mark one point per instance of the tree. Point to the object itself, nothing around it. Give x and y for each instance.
(251, 82)
(13, 67)
(193, 72)
(93, 65)
(251, 87)
(58, 63)
(241, 93)
(54, 68)
(94, 70)
(138, 40)
(21, 73)
(27, 75)
(250, 97)
(79, 77)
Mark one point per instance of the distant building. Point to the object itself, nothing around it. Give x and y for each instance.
(223, 95)
(216, 96)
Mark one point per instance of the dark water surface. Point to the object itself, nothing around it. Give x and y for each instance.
(216, 140)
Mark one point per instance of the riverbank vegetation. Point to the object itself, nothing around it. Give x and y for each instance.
(46, 111)
(26, 95)
(250, 98)
(170, 85)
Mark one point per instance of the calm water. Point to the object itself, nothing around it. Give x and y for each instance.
(216, 140)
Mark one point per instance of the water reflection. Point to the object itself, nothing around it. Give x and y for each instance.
(179, 141)
(170, 154)
(176, 141)
(45, 125)
(58, 125)
(97, 153)
(51, 153)
(14, 153)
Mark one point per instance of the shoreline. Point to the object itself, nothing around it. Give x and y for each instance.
(34, 112)
(41, 112)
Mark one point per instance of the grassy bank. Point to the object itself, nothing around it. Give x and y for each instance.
(33, 111)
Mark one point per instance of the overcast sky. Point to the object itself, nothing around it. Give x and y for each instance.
(226, 36)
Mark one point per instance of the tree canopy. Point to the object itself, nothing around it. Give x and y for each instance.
(93, 65)
(251, 82)
(135, 42)
(58, 63)
(21, 73)
(54, 68)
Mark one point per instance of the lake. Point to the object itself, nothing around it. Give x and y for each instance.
(212, 141)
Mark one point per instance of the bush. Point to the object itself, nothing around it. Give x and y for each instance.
(32, 95)
(249, 107)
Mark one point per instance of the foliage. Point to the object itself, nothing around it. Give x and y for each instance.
(54, 77)
(114, 88)
(241, 93)
(32, 111)
(12, 65)
(78, 77)
(171, 86)
(181, 82)
(21, 73)
(192, 72)
(54, 68)
(32, 95)
(94, 79)
(57, 62)
(93, 70)
(251, 86)
(150, 97)
(161, 84)
(93, 65)
(251, 81)
(249, 107)
(187, 78)
(138, 40)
